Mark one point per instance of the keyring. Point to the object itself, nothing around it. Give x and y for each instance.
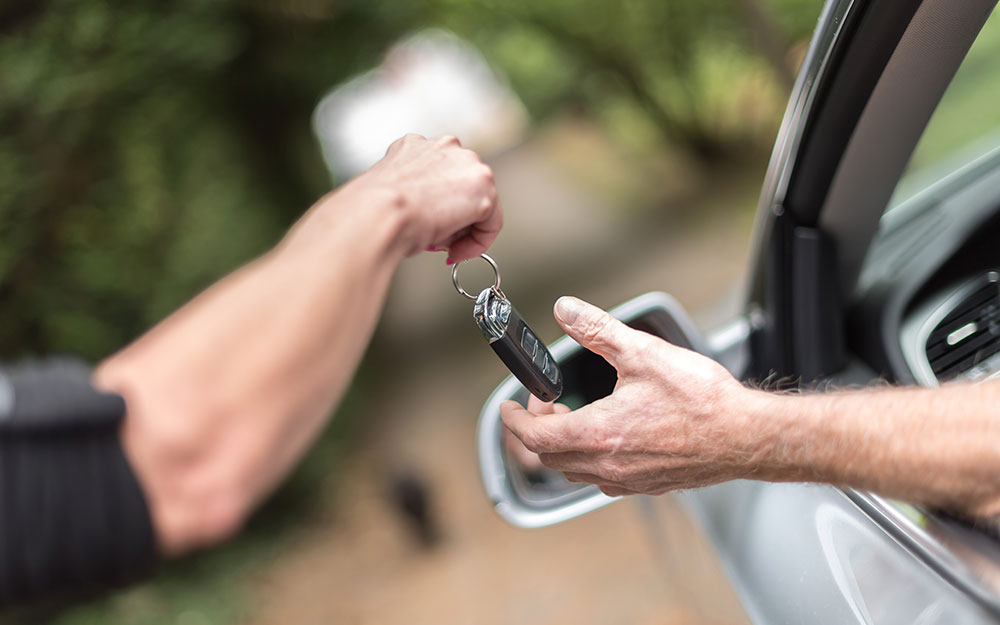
(496, 271)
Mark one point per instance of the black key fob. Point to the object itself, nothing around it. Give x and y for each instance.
(517, 346)
(513, 341)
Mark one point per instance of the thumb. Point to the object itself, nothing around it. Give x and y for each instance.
(593, 328)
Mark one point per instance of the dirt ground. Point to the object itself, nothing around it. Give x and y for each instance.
(362, 565)
(601, 568)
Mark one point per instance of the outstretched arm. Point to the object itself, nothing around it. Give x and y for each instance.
(677, 420)
(226, 394)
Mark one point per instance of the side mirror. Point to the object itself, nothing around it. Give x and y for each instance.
(527, 496)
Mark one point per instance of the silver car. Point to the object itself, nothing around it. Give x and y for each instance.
(870, 264)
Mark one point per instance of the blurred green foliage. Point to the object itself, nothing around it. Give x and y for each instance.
(679, 68)
(146, 148)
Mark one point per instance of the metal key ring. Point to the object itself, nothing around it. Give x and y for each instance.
(458, 287)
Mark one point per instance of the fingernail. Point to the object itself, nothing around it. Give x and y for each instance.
(567, 309)
(449, 262)
(433, 248)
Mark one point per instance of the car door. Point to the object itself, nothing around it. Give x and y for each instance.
(839, 291)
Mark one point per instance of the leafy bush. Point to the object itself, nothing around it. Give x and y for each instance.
(146, 148)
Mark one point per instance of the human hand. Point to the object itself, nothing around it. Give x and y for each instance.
(528, 459)
(444, 193)
(676, 419)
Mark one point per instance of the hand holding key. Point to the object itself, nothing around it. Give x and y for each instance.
(234, 386)
(675, 419)
(445, 195)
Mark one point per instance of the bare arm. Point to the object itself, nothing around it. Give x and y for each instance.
(935, 446)
(227, 393)
(679, 420)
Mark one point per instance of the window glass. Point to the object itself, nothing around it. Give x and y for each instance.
(966, 124)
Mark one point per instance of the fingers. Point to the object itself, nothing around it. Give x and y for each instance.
(407, 139)
(467, 247)
(528, 460)
(615, 491)
(483, 232)
(611, 490)
(523, 424)
(595, 329)
(451, 194)
(538, 406)
(570, 462)
(540, 433)
(581, 478)
(448, 140)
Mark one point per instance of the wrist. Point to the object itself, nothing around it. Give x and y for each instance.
(776, 431)
(386, 210)
(363, 221)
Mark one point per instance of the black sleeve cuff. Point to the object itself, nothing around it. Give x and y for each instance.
(73, 519)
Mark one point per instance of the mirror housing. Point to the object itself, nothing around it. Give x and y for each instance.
(539, 498)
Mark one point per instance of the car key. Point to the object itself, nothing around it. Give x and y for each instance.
(511, 338)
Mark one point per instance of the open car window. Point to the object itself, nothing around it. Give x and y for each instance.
(965, 126)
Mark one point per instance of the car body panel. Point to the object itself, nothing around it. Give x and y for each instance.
(799, 553)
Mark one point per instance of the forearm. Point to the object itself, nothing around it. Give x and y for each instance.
(225, 394)
(677, 419)
(940, 447)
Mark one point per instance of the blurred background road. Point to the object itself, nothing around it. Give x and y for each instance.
(147, 150)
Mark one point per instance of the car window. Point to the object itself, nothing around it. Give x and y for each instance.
(966, 124)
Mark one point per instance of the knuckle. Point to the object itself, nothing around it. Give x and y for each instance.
(405, 141)
(400, 143)
(597, 327)
(647, 348)
(528, 440)
(595, 439)
(446, 140)
(619, 474)
(484, 207)
(610, 470)
(485, 173)
(533, 440)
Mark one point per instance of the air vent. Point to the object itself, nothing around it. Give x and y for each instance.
(966, 340)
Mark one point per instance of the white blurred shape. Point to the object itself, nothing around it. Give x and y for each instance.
(431, 83)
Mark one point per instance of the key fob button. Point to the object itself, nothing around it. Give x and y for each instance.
(550, 370)
(529, 343)
(541, 359)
